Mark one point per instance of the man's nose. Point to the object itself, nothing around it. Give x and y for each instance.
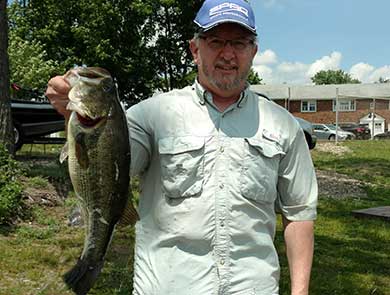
(228, 51)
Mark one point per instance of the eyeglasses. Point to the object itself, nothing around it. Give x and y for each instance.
(216, 43)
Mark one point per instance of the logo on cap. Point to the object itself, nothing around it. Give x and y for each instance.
(227, 7)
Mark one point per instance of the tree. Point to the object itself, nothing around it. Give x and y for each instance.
(144, 44)
(101, 33)
(6, 127)
(29, 64)
(383, 80)
(333, 77)
(172, 21)
(254, 78)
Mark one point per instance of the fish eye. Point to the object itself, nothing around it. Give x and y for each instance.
(107, 85)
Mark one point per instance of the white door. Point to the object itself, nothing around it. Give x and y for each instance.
(379, 127)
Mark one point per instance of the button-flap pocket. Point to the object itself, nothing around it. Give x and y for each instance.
(260, 169)
(265, 147)
(182, 161)
(177, 145)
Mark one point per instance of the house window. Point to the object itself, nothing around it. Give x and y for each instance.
(308, 106)
(345, 105)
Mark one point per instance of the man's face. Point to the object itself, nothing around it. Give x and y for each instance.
(223, 67)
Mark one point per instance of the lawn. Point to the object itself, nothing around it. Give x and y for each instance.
(352, 256)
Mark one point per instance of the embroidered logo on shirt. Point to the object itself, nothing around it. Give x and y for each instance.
(271, 136)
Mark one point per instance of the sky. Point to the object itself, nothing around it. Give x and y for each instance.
(298, 38)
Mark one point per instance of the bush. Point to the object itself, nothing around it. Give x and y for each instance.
(10, 188)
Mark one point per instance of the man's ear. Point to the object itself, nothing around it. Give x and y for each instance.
(194, 50)
(255, 48)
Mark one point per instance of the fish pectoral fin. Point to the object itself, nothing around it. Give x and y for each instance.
(64, 153)
(129, 216)
(81, 151)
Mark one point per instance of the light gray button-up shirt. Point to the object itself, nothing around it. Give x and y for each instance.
(210, 184)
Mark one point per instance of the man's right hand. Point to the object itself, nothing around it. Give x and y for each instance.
(57, 92)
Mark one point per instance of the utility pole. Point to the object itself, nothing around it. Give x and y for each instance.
(373, 119)
(337, 115)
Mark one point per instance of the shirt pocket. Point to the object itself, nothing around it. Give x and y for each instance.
(182, 166)
(260, 169)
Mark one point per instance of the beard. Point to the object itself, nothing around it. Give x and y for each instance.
(227, 82)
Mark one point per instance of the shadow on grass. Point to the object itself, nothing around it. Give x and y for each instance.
(6, 230)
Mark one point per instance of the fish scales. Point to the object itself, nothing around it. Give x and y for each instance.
(99, 163)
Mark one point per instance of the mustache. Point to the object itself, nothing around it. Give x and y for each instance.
(223, 63)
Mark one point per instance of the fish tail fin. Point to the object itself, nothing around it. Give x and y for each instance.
(82, 276)
(129, 215)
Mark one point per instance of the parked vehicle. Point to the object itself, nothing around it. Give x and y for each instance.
(307, 128)
(361, 131)
(328, 131)
(385, 135)
(34, 120)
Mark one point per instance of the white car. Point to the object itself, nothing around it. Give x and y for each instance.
(328, 131)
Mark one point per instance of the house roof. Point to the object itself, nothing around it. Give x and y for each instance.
(317, 92)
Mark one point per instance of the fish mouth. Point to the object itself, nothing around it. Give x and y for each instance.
(82, 116)
(87, 121)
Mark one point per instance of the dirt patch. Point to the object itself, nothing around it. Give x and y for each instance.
(333, 148)
(47, 196)
(339, 186)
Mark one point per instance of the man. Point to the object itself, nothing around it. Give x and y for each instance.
(216, 161)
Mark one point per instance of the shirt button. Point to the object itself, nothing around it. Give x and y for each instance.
(221, 149)
(221, 186)
(222, 224)
(222, 262)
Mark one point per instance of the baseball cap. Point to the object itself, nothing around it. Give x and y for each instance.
(216, 12)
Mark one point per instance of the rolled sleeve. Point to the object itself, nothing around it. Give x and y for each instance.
(297, 183)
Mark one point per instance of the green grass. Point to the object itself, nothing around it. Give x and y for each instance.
(352, 256)
(368, 161)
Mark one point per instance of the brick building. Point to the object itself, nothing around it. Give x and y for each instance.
(317, 103)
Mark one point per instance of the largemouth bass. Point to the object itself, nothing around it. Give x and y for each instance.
(98, 152)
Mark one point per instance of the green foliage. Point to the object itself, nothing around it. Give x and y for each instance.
(172, 19)
(383, 80)
(333, 77)
(144, 44)
(10, 189)
(29, 63)
(254, 78)
(37, 182)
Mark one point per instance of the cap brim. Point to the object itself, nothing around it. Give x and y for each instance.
(217, 23)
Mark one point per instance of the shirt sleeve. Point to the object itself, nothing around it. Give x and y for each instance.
(140, 138)
(297, 183)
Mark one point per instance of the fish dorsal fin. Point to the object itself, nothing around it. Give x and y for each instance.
(129, 216)
(64, 153)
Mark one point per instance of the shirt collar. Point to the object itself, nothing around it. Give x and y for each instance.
(203, 95)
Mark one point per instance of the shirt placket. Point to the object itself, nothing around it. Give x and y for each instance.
(222, 209)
